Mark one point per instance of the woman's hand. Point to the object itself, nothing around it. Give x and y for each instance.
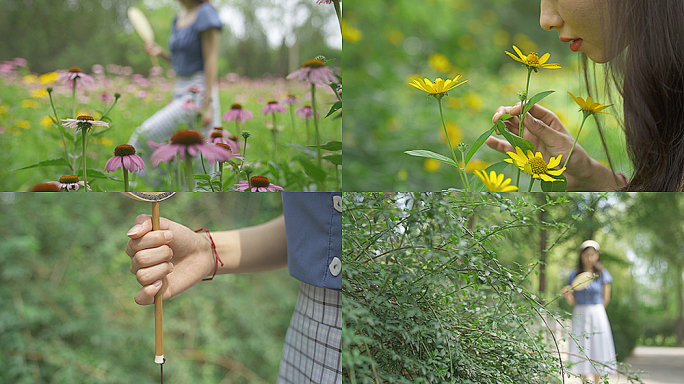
(568, 294)
(207, 116)
(152, 48)
(548, 135)
(175, 254)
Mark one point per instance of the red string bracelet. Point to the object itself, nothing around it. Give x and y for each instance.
(213, 247)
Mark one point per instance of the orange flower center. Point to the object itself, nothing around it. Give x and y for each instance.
(272, 102)
(537, 165)
(69, 179)
(236, 106)
(259, 181)
(216, 134)
(45, 187)
(187, 137)
(313, 63)
(124, 150)
(75, 69)
(533, 58)
(226, 146)
(84, 117)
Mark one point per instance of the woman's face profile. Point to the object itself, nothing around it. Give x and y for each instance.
(579, 23)
(589, 257)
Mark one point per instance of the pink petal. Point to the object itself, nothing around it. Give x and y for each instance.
(113, 164)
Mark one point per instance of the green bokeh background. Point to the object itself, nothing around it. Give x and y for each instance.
(386, 43)
(67, 313)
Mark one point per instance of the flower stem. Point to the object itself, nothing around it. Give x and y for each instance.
(244, 156)
(275, 139)
(189, 173)
(338, 11)
(205, 172)
(521, 126)
(220, 166)
(125, 175)
(237, 128)
(293, 124)
(463, 156)
(73, 99)
(56, 121)
(529, 189)
(315, 117)
(110, 108)
(84, 140)
(453, 154)
(586, 115)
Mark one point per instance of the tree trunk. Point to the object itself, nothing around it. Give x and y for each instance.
(680, 304)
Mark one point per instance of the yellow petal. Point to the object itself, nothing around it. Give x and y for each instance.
(556, 172)
(554, 162)
(546, 177)
(522, 57)
(544, 58)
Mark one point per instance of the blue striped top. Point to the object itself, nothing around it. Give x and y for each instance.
(186, 44)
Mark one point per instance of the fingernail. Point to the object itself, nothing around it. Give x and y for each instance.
(171, 265)
(157, 283)
(168, 235)
(134, 229)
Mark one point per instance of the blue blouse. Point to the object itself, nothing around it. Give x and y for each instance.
(593, 294)
(186, 44)
(313, 226)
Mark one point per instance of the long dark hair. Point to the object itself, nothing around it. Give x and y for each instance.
(598, 268)
(646, 40)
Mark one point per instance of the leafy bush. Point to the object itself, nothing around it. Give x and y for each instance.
(428, 301)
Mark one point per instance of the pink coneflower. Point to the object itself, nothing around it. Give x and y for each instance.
(20, 61)
(70, 183)
(50, 186)
(192, 143)
(314, 71)
(194, 89)
(291, 99)
(125, 157)
(83, 122)
(73, 74)
(257, 184)
(273, 107)
(305, 112)
(105, 97)
(219, 136)
(237, 113)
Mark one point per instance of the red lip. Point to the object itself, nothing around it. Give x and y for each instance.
(575, 46)
(566, 40)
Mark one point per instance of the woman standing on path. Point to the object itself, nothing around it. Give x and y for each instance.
(592, 351)
(194, 46)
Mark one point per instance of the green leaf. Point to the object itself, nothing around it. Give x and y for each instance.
(431, 155)
(335, 107)
(534, 100)
(555, 186)
(97, 174)
(515, 140)
(308, 151)
(478, 143)
(46, 163)
(478, 186)
(312, 170)
(330, 146)
(335, 159)
(505, 116)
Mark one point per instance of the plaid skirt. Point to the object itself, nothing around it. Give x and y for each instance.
(313, 345)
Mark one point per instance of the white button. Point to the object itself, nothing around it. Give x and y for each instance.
(335, 266)
(337, 202)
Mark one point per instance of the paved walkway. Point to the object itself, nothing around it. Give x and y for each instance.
(664, 366)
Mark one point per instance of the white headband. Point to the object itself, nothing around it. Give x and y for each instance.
(590, 243)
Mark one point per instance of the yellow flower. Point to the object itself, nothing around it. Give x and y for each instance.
(25, 124)
(49, 77)
(495, 183)
(532, 60)
(39, 93)
(30, 79)
(535, 165)
(455, 133)
(30, 103)
(3, 109)
(349, 33)
(432, 165)
(439, 62)
(439, 87)
(46, 121)
(589, 106)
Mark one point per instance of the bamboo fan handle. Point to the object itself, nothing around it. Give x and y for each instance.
(158, 327)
